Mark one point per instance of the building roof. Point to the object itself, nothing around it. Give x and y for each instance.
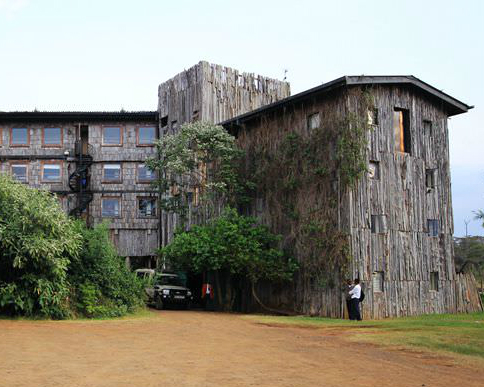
(452, 105)
(77, 117)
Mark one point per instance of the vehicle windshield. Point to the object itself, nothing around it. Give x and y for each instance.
(169, 280)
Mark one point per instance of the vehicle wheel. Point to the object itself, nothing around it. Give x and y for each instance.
(158, 302)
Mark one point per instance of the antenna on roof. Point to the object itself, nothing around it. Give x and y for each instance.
(285, 74)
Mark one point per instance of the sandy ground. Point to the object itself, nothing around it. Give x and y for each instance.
(178, 348)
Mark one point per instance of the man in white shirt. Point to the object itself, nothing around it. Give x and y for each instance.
(355, 295)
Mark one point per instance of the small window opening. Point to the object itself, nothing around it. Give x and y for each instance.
(374, 170)
(428, 128)
(434, 281)
(195, 115)
(314, 121)
(378, 224)
(163, 121)
(433, 227)
(173, 124)
(377, 281)
(240, 81)
(430, 178)
(401, 129)
(373, 116)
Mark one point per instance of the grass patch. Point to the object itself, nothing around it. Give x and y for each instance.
(454, 333)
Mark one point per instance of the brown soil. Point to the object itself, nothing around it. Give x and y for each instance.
(175, 348)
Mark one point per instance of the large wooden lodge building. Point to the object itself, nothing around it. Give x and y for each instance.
(397, 217)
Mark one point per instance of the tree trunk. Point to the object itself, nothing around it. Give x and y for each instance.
(276, 311)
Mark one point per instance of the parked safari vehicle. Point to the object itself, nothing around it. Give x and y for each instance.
(165, 289)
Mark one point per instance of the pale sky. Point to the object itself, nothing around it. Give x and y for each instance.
(108, 55)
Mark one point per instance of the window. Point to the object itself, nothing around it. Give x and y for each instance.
(377, 279)
(373, 116)
(146, 135)
(147, 207)
(428, 128)
(51, 173)
(313, 121)
(378, 224)
(145, 174)
(374, 170)
(434, 281)
(240, 81)
(433, 227)
(164, 121)
(112, 173)
(401, 130)
(19, 137)
(52, 137)
(430, 178)
(110, 207)
(173, 124)
(112, 136)
(19, 172)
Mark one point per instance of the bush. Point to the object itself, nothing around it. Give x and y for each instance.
(53, 266)
(37, 241)
(102, 284)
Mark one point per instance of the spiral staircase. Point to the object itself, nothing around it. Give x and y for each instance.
(79, 180)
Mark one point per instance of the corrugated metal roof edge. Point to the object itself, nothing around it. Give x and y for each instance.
(348, 80)
(76, 116)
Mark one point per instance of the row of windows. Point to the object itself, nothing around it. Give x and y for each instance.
(51, 172)
(401, 126)
(53, 137)
(111, 207)
(378, 281)
(430, 174)
(379, 225)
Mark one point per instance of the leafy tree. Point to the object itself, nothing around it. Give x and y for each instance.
(232, 246)
(36, 241)
(199, 160)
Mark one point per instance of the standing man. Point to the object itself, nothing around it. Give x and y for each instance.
(355, 294)
(349, 287)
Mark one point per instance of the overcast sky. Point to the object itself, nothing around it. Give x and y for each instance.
(108, 55)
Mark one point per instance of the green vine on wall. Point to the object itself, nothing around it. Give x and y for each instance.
(303, 177)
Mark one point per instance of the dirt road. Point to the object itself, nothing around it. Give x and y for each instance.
(175, 348)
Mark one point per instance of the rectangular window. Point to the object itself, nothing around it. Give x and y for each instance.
(52, 137)
(373, 116)
(428, 129)
(147, 207)
(434, 281)
(110, 207)
(112, 173)
(313, 121)
(19, 137)
(19, 172)
(433, 227)
(401, 130)
(112, 136)
(430, 178)
(145, 174)
(374, 170)
(51, 173)
(377, 279)
(378, 224)
(164, 121)
(173, 124)
(146, 135)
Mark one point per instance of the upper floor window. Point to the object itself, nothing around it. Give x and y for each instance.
(19, 137)
(112, 136)
(19, 172)
(110, 207)
(145, 174)
(372, 116)
(434, 281)
(401, 130)
(374, 170)
(313, 121)
(147, 207)
(377, 279)
(428, 128)
(112, 173)
(430, 178)
(378, 224)
(52, 137)
(51, 172)
(433, 227)
(146, 135)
